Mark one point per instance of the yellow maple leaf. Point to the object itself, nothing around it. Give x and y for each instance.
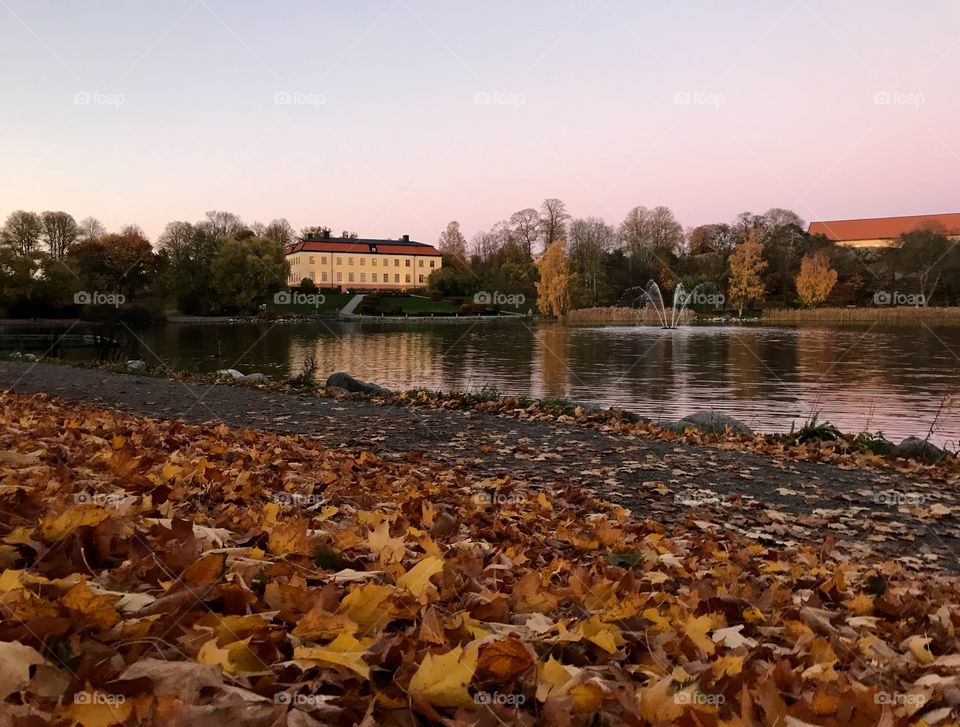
(367, 605)
(417, 578)
(345, 650)
(442, 679)
(389, 550)
(59, 526)
(234, 658)
(696, 629)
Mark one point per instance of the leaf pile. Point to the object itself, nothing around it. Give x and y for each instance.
(159, 573)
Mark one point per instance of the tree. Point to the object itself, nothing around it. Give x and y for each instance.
(248, 270)
(925, 255)
(815, 279)
(553, 289)
(280, 231)
(712, 238)
(590, 240)
(526, 229)
(746, 266)
(777, 217)
(190, 251)
(22, 232)
(452, 244)
(90, 228)
(666, 233)
(224, 224)
(122, 262)
(553, 221)
(60, 231)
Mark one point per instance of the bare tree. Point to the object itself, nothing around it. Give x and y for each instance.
(452, 244)
(280, 231)
(526, 229)
(60, 231)
(590, 240)
(666, 233)
(90, 228)
(634, 233)
(224, 224)
(21, 232)
(777, 217)
(553, 221)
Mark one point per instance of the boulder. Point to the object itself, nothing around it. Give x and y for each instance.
(714, 421)
(342, 380)
(256, 379)
(29, 357)
(229, 374)
(919, 449)
(136, 366)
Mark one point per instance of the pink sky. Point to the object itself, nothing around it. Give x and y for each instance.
(397, 116)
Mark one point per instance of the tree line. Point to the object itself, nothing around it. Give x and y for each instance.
(764, 259)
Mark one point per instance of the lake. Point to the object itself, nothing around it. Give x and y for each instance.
(890, 379)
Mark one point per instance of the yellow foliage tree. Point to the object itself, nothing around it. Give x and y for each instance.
(553, 289)
(816, 279)
(746, 266)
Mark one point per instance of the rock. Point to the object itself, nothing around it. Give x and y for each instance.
(714, 421)
(337, 391)
(16, 356)
(342, 380)
(255, 379)
(229, 374)
(919, 449)
(671, 426)
(137, 366)
(29, 357)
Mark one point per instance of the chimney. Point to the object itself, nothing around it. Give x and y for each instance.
(405, 238)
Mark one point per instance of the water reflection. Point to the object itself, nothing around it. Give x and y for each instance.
(880, 378)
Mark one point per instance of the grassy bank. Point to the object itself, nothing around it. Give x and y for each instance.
(880, 314)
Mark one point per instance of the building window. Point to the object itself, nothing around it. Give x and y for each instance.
(421, 278)
(363, 261)
(408, 278)
(313, 275)
(407, 262)
(323, 276)
(373, 262)
(350, 261)
(350, 277)
(339, 277)
(323, 260)
(396, 277)
(311, 260)
(363, 277)
(374, 277)
(339, 260)
(420, 262)
(396, 262)
(431, 263)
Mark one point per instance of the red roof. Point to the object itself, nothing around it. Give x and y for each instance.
(366, 247)
(884, 228)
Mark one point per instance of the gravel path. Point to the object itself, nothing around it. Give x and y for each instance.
(866, 511)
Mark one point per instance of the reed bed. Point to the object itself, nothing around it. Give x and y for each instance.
(617, 314)
(887, 314)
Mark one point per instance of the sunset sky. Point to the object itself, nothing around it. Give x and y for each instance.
(395, 116)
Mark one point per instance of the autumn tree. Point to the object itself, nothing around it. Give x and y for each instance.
(591, 239)
(59, 232)
(122, 262)
(21, 232)
(553, 289)
(816, 279)
(525, 225)
(746, 268)
(280, 231)
(90, 228)
(248, 270)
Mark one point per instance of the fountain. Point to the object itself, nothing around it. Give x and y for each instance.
(652, 295)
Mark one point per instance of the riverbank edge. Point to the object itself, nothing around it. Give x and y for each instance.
(885, 315)
(817, 441)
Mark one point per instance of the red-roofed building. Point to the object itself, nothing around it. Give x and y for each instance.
(362, 264)
(882, 231)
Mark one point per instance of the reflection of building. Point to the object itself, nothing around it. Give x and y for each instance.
(353, 264)
(882, 231)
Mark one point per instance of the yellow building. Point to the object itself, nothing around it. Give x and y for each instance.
(354, 264)
(883, 231)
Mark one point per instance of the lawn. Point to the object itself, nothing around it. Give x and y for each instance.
(331, 301)
(417, 305)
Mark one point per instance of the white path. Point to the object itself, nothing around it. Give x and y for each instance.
(351, 306)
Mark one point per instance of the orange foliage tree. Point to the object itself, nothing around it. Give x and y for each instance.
(553, 288)
(816, 279)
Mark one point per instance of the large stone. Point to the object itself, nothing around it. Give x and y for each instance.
(256, 379)
(714, 421)
(136, 366)
(919, 449)
(229, 374)
(343, 380)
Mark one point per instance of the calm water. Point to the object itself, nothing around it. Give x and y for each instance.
(890, 379)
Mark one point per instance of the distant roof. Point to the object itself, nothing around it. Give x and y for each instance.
(360, 246)
(883, 228)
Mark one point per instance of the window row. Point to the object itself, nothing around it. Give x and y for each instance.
(363, 261)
